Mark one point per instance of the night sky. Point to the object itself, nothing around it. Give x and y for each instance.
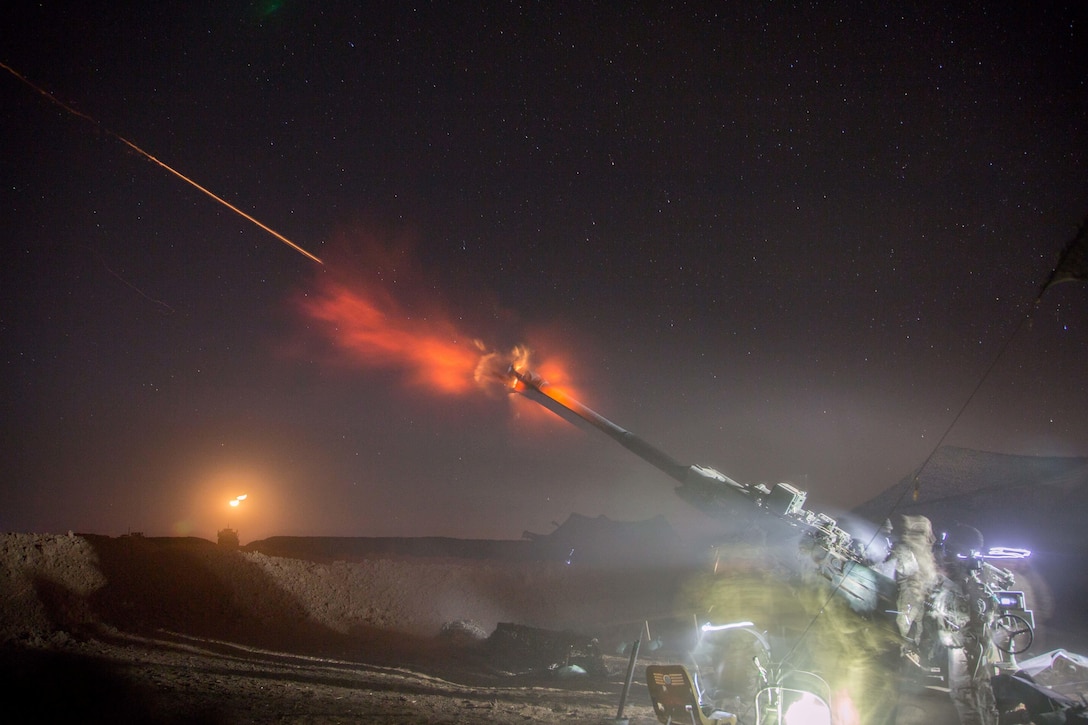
(784, 240)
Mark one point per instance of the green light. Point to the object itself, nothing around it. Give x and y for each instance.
(266, 8)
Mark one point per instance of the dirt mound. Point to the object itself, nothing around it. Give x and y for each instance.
(183, 630)
(135, 629)
(75, 583)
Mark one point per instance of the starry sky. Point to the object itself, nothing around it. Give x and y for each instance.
(792, 241)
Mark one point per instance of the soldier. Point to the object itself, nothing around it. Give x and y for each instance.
(964, 611)
(916, 576)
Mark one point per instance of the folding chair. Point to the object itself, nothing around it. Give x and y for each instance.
(676, 700)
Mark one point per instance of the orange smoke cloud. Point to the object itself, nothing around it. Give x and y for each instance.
(373, 330)
(412, 335)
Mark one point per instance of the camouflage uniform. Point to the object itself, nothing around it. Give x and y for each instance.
(916, 574)
(964, 614)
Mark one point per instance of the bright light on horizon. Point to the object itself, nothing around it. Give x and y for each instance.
(244, 490)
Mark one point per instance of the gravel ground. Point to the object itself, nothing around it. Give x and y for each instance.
(141, 630)
(95, 629)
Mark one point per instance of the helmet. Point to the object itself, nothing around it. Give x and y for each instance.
(962, 544)
(916, 527)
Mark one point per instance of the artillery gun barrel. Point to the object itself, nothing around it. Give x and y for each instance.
(704, 488)
(709, 490)
(537, 389)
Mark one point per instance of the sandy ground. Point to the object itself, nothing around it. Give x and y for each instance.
(135, 630)
(175, 679)
(179, 630)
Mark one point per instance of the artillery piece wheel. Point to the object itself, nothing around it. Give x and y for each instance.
(1012, 634)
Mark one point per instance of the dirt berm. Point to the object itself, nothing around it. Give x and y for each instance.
(74, 583)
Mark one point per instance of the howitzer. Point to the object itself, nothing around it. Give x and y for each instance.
(836, 555)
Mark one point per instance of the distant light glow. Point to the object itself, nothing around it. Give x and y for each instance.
(237, 500)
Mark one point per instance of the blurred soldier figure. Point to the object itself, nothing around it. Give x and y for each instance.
(916, 576)
(963, 611)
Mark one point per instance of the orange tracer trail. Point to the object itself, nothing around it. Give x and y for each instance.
(53, 99)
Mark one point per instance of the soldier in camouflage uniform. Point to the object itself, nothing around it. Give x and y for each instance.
(964, 611)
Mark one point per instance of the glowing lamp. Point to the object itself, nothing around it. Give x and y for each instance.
(807, 710)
